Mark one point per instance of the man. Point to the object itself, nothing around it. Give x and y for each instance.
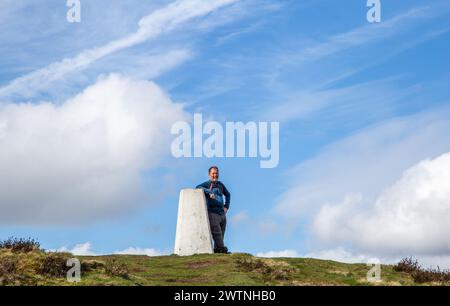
(217, 209)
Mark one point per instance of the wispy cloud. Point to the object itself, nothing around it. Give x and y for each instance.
(148, 66)
(372, 98)
(230, 36)
(318, 73)
(365, 34)
(297, 78)
(151, 26)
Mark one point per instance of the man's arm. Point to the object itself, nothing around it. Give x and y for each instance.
(205, 188)
(227, 195)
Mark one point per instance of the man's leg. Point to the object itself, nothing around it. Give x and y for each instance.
(223, 226)
(216, 230)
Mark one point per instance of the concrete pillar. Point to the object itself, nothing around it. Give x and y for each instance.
(193, 234)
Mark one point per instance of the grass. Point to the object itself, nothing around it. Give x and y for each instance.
(217, 269)
(25, 266)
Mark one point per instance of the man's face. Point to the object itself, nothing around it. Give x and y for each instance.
(214, 175)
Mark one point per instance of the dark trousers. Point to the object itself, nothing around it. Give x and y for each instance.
(218, 225)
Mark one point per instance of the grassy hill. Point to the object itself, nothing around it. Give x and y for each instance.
(36, 267)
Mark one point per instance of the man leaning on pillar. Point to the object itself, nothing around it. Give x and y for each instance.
(215, 191)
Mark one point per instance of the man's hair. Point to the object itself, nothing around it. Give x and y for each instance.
(213, 167)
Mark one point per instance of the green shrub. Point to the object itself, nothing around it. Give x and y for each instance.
(8, 270)
(24, 245)
(420, 275)
(270, 269)
(408, 265)
(91, 265)
(54, 265)
(115, 268)
(431, 275)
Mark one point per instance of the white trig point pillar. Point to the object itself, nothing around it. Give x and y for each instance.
(193, 234)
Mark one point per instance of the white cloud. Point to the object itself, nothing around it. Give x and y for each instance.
(382, 192)
(141, 251)
(409, 217)
(150, 27)
(283, 253)
(83, 249)
(82, 160)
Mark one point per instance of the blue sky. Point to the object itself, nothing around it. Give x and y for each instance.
(363, 111)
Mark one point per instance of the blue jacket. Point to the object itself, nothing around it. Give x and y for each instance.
(219, 190)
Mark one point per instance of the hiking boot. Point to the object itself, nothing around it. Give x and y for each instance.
(223, 250)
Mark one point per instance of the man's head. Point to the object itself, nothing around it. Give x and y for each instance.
(213, 173)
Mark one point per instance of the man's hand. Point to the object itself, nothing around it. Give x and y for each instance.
(212, 196)
(225, 209)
